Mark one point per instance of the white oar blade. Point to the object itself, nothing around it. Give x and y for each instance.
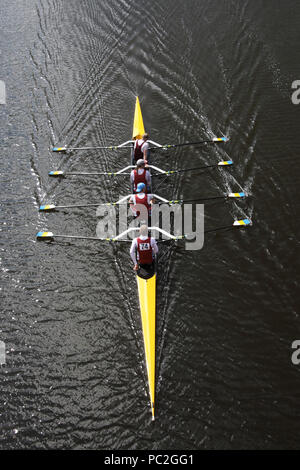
(220, 139)
(47, 207)
(228, 162)
(236, 195)
(242, 222)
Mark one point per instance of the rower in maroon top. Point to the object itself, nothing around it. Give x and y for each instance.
(143, 249)
(142, 200)
(140, 175)
(141, 148)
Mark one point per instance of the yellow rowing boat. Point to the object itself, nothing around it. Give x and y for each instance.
(146, 281)
(146, 278)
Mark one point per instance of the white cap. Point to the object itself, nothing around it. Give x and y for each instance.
(140, 162)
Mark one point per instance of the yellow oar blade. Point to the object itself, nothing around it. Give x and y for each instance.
(147, 297)
(138, 124)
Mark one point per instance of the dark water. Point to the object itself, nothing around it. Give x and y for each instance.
(227, 314)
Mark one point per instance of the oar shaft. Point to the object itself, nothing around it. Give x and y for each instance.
(78, 205)
(112, 147)
(172, 172)
(108, 173)
(199, 142)
(208, 198)
(219, 228)
(52, 207)
(183, 201)
(77, 237)
(195, 168)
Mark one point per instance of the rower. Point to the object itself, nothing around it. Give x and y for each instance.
(141, 148)
(140, 175)
(141, 198)
(143, 250)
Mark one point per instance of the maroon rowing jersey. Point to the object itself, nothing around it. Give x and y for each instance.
(139, 178)
(144, 251)
(143, 200)
(138, 150)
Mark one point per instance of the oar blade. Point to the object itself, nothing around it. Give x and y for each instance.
(237, 195)
(47, 207)
(59, 149)
(242, 222)
(227, 162)
(44, 235)
(220, 139)
(56, 173)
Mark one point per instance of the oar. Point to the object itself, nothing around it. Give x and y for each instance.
(236, 223)
(172, 172)
(208, 198)
(57, 173)
(51, 207)
(118, 238)
(122, 146)
(60, 173)
(49, 236)
(110, 147)
(44, 235)
(199, 142)
(110, 173)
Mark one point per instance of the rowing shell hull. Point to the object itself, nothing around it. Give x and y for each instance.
(147, 298)
(146, 281)
(138, 123)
